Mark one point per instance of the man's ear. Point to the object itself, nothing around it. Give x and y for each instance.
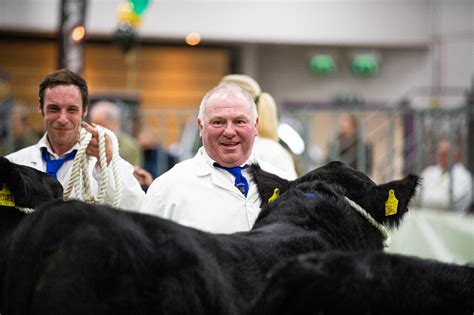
(40, 108)
(199, 126)
(84, 114)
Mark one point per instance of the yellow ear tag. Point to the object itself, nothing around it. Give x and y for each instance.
(391, 205)
(6, 197)
(276, 194)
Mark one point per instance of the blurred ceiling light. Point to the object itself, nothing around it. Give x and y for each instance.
(78, 33)
(291, 138)
(193, 39)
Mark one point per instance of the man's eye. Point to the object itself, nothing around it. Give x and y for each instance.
(217, 123)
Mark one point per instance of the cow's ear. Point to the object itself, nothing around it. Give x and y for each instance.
(14, 182)
(267, 183)
(395, 197)
(28, 186)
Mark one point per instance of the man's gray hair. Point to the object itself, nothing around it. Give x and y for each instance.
(111, 110)
(227, 90)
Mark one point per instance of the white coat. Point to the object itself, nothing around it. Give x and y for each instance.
(132, 193)
(197, 194)
(274, 153)
(435, 187)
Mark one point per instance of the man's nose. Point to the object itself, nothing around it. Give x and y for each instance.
(63, 117)
(229, 129)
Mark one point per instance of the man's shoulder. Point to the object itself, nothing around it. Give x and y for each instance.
(171, 183)
(182, 169)
(460, 170)
(20, 155)
(431, 169)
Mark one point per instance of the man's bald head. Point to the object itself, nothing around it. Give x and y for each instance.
(106, 114)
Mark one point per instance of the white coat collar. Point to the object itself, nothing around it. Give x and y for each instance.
(44, 143)
(206, 164)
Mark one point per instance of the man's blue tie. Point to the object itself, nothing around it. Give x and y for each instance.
(53, 166)
(240, 181)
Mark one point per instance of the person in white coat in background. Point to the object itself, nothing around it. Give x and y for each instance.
(213, 191)
(63, 102)
(446, 185)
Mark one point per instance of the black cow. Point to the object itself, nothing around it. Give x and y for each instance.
(20, 187)
(366, 282)
(75, 258)
(361, 282)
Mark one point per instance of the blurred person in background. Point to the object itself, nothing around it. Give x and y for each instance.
(267, 146)
(345, 147)
(214, 191)
(21, 133)
(63, 102)
(156, 159)
(107, 114)
(439, 179)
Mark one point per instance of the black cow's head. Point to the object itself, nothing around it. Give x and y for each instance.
(386, 203)
(29, 187)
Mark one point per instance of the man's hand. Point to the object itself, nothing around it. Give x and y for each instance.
(93, 147)
(143, 176)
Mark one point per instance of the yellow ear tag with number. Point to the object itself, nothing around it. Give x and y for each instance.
(276, 194)
(391, 205)
(6, 197)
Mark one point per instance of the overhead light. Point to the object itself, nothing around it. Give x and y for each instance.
(78, 33)
(193, 39)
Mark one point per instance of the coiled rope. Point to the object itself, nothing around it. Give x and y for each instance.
(79, 180)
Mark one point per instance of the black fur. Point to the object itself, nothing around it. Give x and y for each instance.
(345, 181)
(30, 188)
(366, 283)
(75, 258)
(358, 282)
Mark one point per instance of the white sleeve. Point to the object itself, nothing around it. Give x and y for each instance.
(132, 193)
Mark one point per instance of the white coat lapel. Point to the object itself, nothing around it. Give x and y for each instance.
(217, 179)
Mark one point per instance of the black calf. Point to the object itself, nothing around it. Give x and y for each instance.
(20, 187)
(366, 283)
(74, 258)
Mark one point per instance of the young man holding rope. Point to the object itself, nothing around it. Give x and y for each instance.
(63, 101)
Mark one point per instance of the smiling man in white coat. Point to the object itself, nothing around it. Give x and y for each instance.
(213, 191)
(63, 102)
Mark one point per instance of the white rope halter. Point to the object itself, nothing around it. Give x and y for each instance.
(79, 180)
(25, 210)
(386, 238)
